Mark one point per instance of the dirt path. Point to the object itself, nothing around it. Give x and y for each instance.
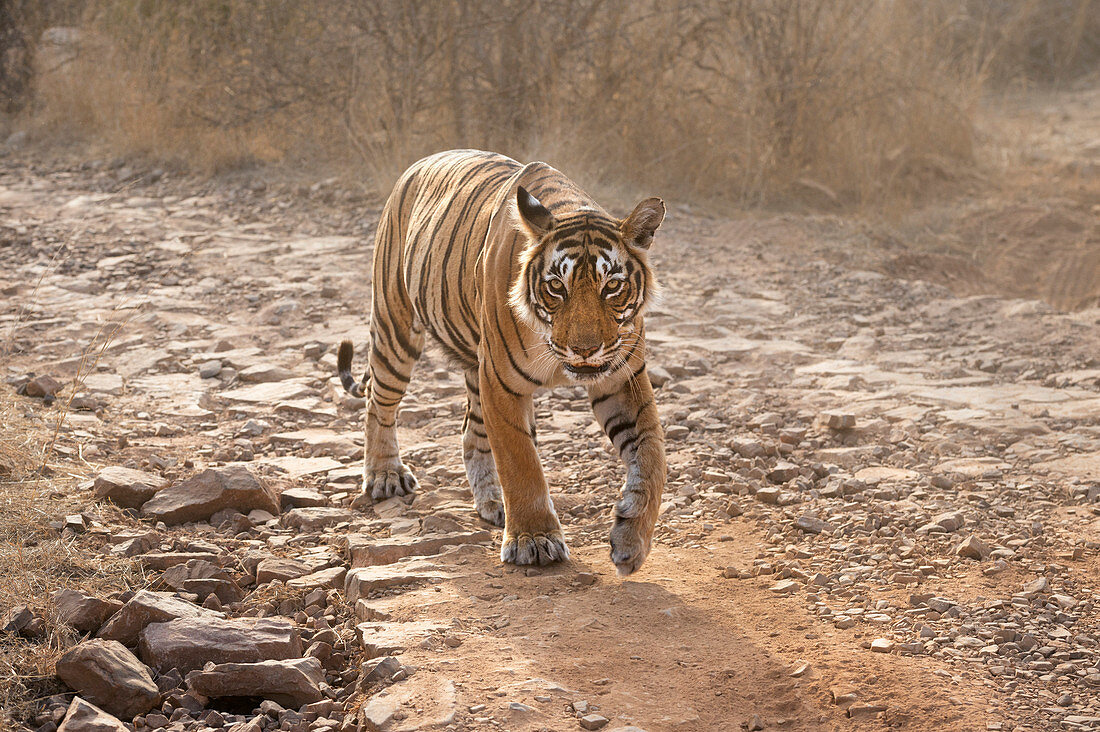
(211, 318)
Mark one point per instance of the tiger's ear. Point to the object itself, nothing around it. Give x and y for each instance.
(537, 217)
(639, 226)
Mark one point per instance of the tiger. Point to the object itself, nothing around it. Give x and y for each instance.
(526, 283)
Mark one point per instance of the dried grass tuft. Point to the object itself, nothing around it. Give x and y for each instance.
(35, 559)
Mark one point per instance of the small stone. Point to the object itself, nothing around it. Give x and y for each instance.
(201, 496)
(84, 716)
(1036, 587)
(952, 521)
(82, 611)
(378, 669)
(813, 525)
(279, 568)
(800, 669)
(676, 432)
(126, 487)
(42, 387)
(16, 619)
(302, 497)
(784, 587)
(658, 376)
(768, 495)
(882, 645)
(973, 548)
(755, 724)
(857, 710)
(593, 721)
(210, 369)
(315, 518)
(783, 472)
(838, 420)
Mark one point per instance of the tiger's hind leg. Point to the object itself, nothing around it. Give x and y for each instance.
(397, 340)
(481, 469)
(384, 474)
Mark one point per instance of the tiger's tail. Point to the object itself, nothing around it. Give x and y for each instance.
(343, 367)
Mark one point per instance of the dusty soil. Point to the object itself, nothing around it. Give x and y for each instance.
(782, 540)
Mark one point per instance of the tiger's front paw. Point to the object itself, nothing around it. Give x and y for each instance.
(381, 484)
(539, 548)
(630, 543)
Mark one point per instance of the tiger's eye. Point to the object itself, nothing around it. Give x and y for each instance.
(555, 287)
(612, 287)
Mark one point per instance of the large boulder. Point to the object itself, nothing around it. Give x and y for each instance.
(201, 496)
(105, 673)
(149, 607)
(85, 717)
(292, 682)
(127, 487)
(82, 611)
(189, 643)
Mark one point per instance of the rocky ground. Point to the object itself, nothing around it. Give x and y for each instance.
(883, 507)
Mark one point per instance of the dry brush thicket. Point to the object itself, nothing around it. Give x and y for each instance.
(746, 100)
(844, 101)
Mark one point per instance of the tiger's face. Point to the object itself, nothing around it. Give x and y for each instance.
(583, 282)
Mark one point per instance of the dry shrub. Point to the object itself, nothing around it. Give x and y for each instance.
(35, 560)
(839, 101)
(1032, 40)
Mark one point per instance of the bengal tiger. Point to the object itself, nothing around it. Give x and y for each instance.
(526, 283)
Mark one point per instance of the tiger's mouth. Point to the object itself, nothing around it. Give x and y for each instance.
(586, 372)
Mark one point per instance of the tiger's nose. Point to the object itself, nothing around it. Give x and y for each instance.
(585, 351)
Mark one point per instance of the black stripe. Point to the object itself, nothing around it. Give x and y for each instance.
(496, 374)
(507, 351)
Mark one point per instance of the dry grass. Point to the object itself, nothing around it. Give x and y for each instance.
(842, 102)
(35, 560)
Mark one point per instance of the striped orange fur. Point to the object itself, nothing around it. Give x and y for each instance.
(526, 283)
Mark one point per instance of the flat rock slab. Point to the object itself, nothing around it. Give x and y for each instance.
(269, 393)
(390, 639)
(201, 496)
(189, 643)
(886, 475)
(328, 579)
(164, 560)
(364, 580)
(427, 701)
(297, 467)
(149, 607)
(315, 517)
(84, 716)
(82, 611)
(370, 551)
(291, 683)
(127, 487)
(302, 497)
(279, 568)
(971, 467)
(105, 673)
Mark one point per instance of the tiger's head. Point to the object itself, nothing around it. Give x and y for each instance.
(583, 280)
